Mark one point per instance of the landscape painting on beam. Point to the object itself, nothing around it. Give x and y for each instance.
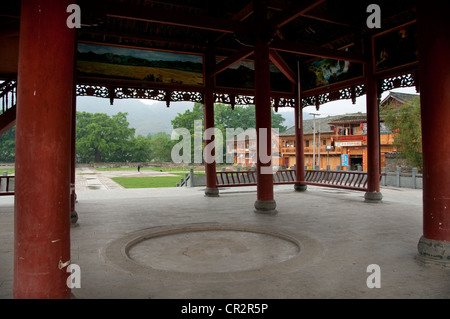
(115, 62)
(323, 72)
(396, 48)
(241, 75)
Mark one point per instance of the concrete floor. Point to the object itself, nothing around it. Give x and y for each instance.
(176, 243)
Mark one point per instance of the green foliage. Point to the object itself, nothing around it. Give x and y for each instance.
(406, 127)
(161, 147)
(7, 146)
(224, 117)
(101, 138)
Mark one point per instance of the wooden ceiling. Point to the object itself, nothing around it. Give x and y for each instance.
(295, 29)
(303, 28)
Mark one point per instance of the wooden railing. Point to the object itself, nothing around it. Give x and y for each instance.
(353, 180)
(337, 179)
(7, 185)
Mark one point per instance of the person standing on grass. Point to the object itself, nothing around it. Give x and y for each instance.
(139, 168)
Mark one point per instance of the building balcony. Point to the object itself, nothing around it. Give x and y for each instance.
(288, 150)
(351, 138)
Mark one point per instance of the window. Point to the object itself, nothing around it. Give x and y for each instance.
(307, 143)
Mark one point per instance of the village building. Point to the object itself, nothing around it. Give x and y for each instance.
(243, 147)
(340, 140)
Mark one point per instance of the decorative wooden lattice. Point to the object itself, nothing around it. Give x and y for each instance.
(350, 93)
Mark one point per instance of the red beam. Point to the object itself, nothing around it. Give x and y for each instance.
(7, 120)
(244, 13)
(140, 37)
(232, 59)
(294, 11)
(164, 16)
(311, 50)
(282, 66)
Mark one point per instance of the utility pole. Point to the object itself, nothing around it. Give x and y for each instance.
(318, 148)
(314, 139)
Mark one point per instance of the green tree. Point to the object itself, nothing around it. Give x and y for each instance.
(8, 146)
(141, 149)
(161, 147)
(406, 127)
(101, 138)
(224, 117)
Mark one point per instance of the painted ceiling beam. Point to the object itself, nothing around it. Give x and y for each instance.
(315, 51)
(164, 16)
(294, 11)
(279, 62)
(235, 57)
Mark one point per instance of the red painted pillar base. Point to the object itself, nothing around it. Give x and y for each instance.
(43, 151)
(434, 49)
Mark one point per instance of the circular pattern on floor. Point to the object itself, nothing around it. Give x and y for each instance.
(210, 251)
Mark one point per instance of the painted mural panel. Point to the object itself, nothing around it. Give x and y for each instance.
(396, 48)
(324, 72)
(241, 75)
(94, 60)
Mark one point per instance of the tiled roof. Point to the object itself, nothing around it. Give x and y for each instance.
(401, 97)
(322, 123)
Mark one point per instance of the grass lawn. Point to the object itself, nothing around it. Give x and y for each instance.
(158, 169)
(10, 171)
(148, 182)
(163, 169)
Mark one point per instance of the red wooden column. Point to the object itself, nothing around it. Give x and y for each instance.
(208, 106)
(299, 147)
(434, 71)
(265, 202)
(43, 149)
(373, 193)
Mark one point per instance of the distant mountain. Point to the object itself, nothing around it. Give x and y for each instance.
(154, 118)
(143, 117)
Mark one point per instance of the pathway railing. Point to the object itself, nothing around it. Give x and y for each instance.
(354, 180)
(7, 184)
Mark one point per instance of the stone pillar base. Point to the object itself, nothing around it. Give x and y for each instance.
(212, 192)
(300, 187)
(266, 207)
(373, 197)
(434, 252)
(73, 218)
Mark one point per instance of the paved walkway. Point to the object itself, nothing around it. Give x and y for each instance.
(177, 243)
(91, 179)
